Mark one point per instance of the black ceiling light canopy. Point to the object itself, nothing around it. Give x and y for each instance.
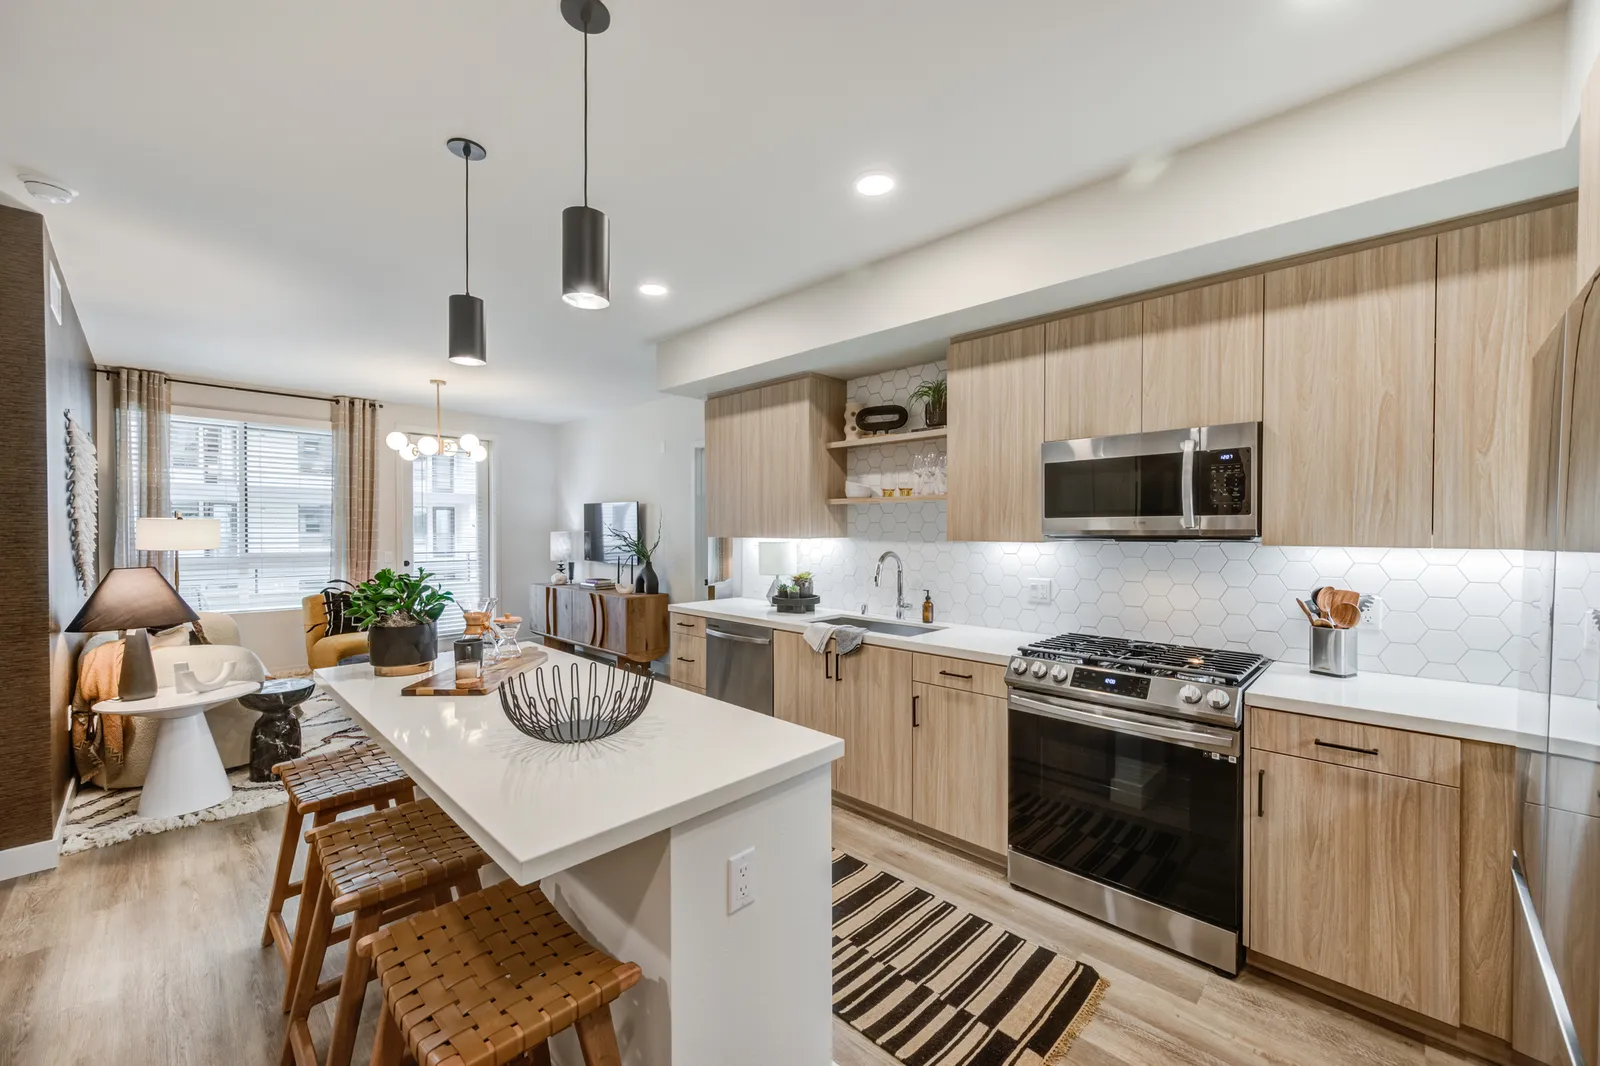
(585, 234)
(466, 310)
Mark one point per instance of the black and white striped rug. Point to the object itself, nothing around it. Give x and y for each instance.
(936, 986)
(101, 817)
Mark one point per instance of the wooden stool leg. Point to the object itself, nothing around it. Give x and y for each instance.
(387, 1046)
(598, 1039)
(302, 922)
(311, 947)
(352, 988)
(292, 822)
(540, 1056)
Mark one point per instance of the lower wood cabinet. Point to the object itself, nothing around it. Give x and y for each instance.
(802, 685)
(959, 764)
(1355, 876)
(687, 665)
(872, 710)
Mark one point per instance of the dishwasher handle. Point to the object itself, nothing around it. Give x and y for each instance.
(720, 635)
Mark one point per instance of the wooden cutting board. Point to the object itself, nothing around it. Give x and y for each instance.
(444, 682)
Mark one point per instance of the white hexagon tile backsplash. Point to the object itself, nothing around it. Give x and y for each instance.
(1478, 616)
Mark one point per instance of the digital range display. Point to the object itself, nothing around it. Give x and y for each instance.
(1120, 684)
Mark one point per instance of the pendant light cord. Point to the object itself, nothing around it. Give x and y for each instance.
(466, 211)
(586, 105)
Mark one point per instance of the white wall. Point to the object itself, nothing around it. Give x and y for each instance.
(1583, 46)
(1471, 130)
(643, 453)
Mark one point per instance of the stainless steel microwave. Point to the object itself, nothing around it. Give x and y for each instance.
(1200, 482)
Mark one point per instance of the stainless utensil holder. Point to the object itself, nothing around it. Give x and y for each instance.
(1333, 651)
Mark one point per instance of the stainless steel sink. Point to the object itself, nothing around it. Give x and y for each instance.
(879, 625)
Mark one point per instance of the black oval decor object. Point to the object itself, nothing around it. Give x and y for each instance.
(881, 418)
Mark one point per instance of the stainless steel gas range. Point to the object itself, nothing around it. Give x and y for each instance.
(1127, 786)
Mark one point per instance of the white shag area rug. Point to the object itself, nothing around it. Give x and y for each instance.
(101, 817)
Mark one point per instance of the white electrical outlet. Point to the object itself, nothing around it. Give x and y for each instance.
(741, 880)
(1372, 610)
(1039, 590)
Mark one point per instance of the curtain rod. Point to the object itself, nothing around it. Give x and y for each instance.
(111, 372)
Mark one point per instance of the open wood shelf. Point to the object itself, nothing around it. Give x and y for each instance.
(887, 499)
(893, 438)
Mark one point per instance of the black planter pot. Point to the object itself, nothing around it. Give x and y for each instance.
(647, 581)
(933, 417)
(399, 650)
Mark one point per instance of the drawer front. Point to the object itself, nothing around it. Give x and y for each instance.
(690, 624)
(688, 666)
(960, 674)
(1396, 752)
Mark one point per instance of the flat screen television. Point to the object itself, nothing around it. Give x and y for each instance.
(599, 544)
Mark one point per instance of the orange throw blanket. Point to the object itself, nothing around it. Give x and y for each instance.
(97, 739)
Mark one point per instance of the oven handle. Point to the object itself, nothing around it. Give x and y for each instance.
(1189, 521)
(1221, 741)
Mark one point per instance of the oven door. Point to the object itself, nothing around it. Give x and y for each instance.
(1150, 806)
(1200, 482)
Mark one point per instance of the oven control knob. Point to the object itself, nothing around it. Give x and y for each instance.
(1189, 694)
(1218, 699)
(1019, 666)
(1059, 673)
(1040, 669)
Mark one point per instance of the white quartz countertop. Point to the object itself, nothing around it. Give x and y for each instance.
(977, 643)
(1490, 713)
(540, 808)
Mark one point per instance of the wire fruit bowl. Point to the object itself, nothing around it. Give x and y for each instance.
(574, 711)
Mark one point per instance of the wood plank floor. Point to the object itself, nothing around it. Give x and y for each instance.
(149, 952)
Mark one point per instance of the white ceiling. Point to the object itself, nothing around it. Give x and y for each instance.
(266, 197)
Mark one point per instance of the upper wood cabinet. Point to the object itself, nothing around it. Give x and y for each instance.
(959, 777)
(1202, 355)
(1503, 286)
(769, 472)
(996, 430)
(1092, 374)
(872, 710)
(1347, 401)
(1355, 876)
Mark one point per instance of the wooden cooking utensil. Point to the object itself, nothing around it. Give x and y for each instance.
(1345, 615)
(1314, 619)
(1346, 596)
(1324, 599)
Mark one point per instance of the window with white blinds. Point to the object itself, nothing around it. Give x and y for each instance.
(450, 529)
(271, 487)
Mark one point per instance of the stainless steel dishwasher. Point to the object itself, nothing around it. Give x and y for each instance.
(739, 664)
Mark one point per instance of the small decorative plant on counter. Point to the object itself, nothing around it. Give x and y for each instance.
(802, 583)
(634, 545)
(400, 612)
(797, 597)
(933, 395)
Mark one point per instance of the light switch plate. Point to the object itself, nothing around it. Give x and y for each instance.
(1039, 590)
(741, 880)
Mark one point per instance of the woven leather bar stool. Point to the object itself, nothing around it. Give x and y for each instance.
(323, 787)
(487, 979)
(377, 868)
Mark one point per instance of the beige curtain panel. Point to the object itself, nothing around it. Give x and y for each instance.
(142, 414)
(355, 450)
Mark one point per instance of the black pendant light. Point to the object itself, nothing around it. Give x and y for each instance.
(585, 234)
(466, 310)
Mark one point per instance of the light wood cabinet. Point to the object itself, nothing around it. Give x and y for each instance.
(769, 471)
(872, 709)
(996, 430)
(688, 661)
(1347, 399)
(1502, 286)
(1366, 747)
(1093, 374)
(1355, 877)
(959, 775)
(803, 685)
(1202, 355)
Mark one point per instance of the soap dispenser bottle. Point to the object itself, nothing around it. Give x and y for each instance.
(927, 606)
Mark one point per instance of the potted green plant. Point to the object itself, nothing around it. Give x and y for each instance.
(400, 612)
(802, 583)
(933, 395)
(635, 545)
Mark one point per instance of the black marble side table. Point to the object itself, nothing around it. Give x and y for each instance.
(276, 736)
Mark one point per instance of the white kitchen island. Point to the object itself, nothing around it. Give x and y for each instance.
(631, 838)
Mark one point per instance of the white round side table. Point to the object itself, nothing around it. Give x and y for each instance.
(186, 772)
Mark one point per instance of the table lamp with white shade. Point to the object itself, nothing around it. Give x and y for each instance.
(776, 557)
(564, 547)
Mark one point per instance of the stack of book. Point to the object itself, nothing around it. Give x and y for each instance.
(598, 583)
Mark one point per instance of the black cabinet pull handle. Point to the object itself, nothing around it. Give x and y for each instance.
(1345, 747)
(914, 721)
(827, 671)
(686, 625)
(681, 659)
(946, 673)
(1261, 780)
(838, 667)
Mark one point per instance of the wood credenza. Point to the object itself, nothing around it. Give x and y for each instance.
(630, 625)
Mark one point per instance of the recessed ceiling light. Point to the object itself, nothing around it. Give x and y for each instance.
(653, 288)
(874, 184)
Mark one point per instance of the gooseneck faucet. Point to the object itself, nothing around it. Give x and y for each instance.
(900, 604)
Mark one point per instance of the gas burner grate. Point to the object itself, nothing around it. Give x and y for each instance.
(1237, 666)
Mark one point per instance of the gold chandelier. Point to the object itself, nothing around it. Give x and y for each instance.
(467, 444)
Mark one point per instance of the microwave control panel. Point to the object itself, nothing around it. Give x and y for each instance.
(1224, 481)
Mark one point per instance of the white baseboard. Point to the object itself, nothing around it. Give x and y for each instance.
(44, 855)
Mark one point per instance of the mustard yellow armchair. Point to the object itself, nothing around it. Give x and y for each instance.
(321, 649)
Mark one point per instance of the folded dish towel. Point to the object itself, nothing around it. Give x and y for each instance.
(849, 637)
